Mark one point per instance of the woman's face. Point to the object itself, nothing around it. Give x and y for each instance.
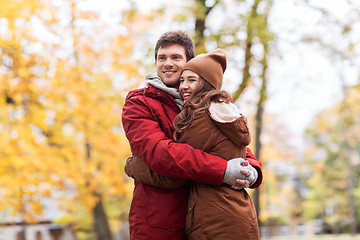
(189, 80)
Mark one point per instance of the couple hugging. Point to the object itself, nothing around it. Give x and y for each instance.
(190, 162)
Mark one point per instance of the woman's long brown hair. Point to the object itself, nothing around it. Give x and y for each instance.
(198, 101)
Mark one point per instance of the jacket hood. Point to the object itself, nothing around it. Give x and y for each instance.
(226, 116)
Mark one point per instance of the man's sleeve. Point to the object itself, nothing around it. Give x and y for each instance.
(137, 169)
(161, 154)
(257, 165)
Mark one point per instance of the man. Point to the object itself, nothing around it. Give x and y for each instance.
(147, 118)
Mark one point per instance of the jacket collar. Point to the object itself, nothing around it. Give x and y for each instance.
(154, 80)
(156, 93)
(152, 92)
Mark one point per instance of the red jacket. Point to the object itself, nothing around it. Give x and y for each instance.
(147, 118)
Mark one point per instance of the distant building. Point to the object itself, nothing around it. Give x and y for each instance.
(37, 231)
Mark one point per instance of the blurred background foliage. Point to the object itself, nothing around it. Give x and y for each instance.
(66, 67)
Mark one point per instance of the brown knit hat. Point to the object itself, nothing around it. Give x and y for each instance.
(210, 66)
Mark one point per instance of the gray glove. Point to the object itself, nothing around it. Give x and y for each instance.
(233, 172)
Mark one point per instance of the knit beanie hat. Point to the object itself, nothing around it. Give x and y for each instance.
(210, 66)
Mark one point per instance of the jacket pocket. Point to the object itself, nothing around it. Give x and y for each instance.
(167, 209)
(189, 219)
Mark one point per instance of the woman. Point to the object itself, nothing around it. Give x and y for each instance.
(209, 121)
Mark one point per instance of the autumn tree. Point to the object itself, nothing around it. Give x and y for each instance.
(24, 180)
(334, 29)
(62, 94)
(335, 137)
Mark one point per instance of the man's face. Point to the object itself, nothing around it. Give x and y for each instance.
(170, 63)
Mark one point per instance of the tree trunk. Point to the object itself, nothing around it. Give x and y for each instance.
(260, 111)
(248, 55)
(347, 121)
(199, 38)
(101, 222)
(259, 123)
(246, 73)
(352, 205)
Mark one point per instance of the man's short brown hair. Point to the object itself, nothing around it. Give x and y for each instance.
(176, 37)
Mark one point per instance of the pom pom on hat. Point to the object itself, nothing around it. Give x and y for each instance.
(210, 66)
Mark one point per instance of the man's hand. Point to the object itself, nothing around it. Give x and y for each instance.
(239, 174)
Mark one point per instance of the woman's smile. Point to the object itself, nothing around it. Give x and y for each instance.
(188, 83)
